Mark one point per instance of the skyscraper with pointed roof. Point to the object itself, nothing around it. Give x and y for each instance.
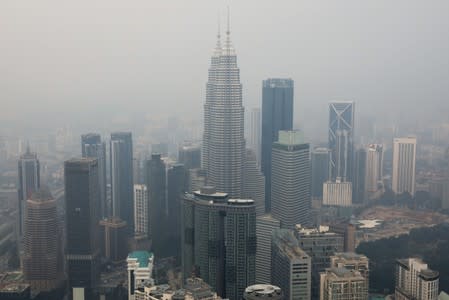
(223, 137)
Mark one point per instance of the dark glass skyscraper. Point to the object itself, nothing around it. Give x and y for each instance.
(219, 241)
(82, 232)
(121, 154)
(321, 171)
(156, 183)
(92, 146)
(359, 194)
(29, 182)
(277, 114)
(341, 139)
(176, 187)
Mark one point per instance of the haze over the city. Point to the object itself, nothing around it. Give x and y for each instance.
(88, 64)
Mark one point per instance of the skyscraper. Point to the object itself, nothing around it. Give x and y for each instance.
(404, 164)
(82, 233)
(141, 209)
(277, 114)
(223, 138)
(341, 138)
(29, 182)
(92, 146)
(254, 182)
(359, 194)
(414, 280)
(290, 180)
(156, 183)
(189, 154)
(374, 164)
(219, 241)
(42, 266)
(321, 171)
(290, 266)
(121, 155)
(176, 187)
(255, 133)
(265, 225)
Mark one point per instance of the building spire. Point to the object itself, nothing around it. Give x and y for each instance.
(228, 45)
(28, 147)
(228, 30)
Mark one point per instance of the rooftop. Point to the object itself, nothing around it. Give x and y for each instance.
(288, 244)
(142, 257)
(263, 290)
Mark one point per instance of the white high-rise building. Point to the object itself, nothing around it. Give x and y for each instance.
(404, 164)
(140, 270)
(223, 137)
(374, 162)
(414, 280)
(141, 208)
(290, 180)
(265, 225)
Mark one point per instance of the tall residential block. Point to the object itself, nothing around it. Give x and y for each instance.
(219, 241)
(321, 170)
(265, 225)
(92, 146)
(343, 284)
(121, 157)
(290, 266)
(290, 180)
(341, 138)
(414, 280)
(141, 211)
(42, 261)
(374, 168)
(82, 232)
(29, 182)
(254, 182)
(277, 115)
(404, 165)
(223, 136)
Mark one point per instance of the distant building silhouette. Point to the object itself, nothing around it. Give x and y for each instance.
(277, 114)
(321, 171)
(121, 165)
(92, 146)
(29, 182)
(254, 182)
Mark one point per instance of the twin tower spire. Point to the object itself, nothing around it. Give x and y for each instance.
(228, 44)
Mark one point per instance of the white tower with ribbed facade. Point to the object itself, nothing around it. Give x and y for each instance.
(223, 138)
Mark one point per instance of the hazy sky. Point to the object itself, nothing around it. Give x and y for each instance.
(113, 58)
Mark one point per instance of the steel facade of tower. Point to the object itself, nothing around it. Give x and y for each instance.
(91, 146)
(321, 170)
(277, 114)
(223, 137)
(29, 182)
(42, 264)
(121, 156)
(290, 180)
(219, 241)
(82, 229)
(341, 138)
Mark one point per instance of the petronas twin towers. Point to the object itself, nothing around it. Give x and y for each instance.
(223, 138)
